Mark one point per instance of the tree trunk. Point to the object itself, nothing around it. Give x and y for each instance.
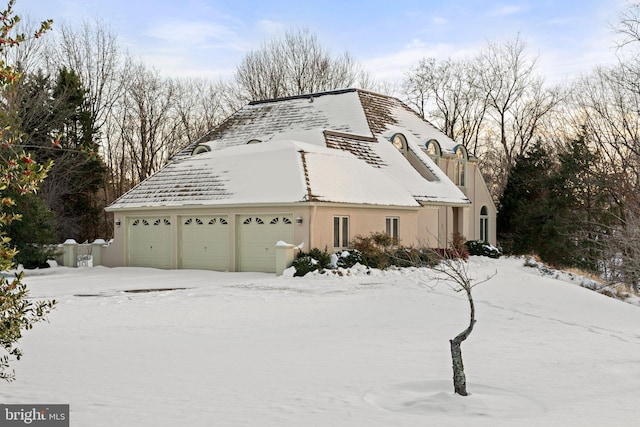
(459, 379)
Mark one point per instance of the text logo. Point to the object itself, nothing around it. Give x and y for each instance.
(34, 415)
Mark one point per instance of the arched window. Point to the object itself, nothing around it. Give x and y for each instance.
(400, 142)
(460, 166)
(201, 148)
(432, 149)
(484, 224)
(254, 141)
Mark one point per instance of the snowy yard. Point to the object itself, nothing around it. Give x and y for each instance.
(251, 349)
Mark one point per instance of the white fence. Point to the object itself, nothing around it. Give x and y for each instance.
(73, 254)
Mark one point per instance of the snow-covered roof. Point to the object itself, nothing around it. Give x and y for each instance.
(328, 147)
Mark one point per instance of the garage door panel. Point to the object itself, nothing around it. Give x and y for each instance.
(150, 242)
(205, 242)
(257, 237)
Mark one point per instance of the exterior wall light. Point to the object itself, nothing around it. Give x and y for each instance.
(299, 220)
(117, 223)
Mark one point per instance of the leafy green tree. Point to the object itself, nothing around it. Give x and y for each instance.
(20, 175)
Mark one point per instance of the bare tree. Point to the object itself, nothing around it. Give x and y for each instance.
(628, 27)
(293, 65)
(93, 52)
(494, 103)
(149, 130)
(155, 118)
(453, 269)
(516, 96)
(200, 105)
(610, 110)
(606, 105)
(28, 55)
(449, 93)
(621, 260)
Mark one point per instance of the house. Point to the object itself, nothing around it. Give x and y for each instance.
(312, 170)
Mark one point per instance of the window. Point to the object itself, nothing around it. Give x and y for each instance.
(432, 148)
(201, 148)
(393, 229)
(460, 166)
(484, 224)
(400, 142)
(340, 231)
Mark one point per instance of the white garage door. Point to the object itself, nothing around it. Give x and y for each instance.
(150, 242)
(257, 238)
(205, 242)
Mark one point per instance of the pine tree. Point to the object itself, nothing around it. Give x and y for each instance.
(34, 235)
(56, 109)
(556, 208)
(580, 206)
(523, 209)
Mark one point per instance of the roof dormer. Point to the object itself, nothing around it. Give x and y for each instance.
(400, 142)
(433, 150)
(200, 148)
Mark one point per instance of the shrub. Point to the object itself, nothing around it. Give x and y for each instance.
(378, 251)
(450, 253)
(383, 240)
(457, 243)
(34, 234)
(348, 258)
(316, 259)
(323, 257)
(482, 248)
(533, 261)
(35, 255)
(305, 264)
(372, 249)
(413, 257)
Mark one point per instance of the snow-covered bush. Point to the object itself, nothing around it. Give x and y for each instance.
(482, 248)
(305, 264)
(316, 259)
(349, 258)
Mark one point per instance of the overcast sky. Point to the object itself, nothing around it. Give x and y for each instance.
(208, 38)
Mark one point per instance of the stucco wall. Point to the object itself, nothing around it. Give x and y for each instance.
(478, 193)
(364, 221)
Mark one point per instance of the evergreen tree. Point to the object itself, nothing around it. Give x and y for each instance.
(580, 206)
(557, 209)
(34, 235)
(523, 209)
(57, 110)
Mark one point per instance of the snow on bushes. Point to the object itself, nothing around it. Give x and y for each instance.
(583, 279)
(482, 248)
(374, 251)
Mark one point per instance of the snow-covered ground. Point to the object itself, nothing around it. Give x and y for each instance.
(252, 349)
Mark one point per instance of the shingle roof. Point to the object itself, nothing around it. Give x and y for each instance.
(333, 138)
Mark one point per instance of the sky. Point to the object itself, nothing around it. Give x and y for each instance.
(208, 38)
